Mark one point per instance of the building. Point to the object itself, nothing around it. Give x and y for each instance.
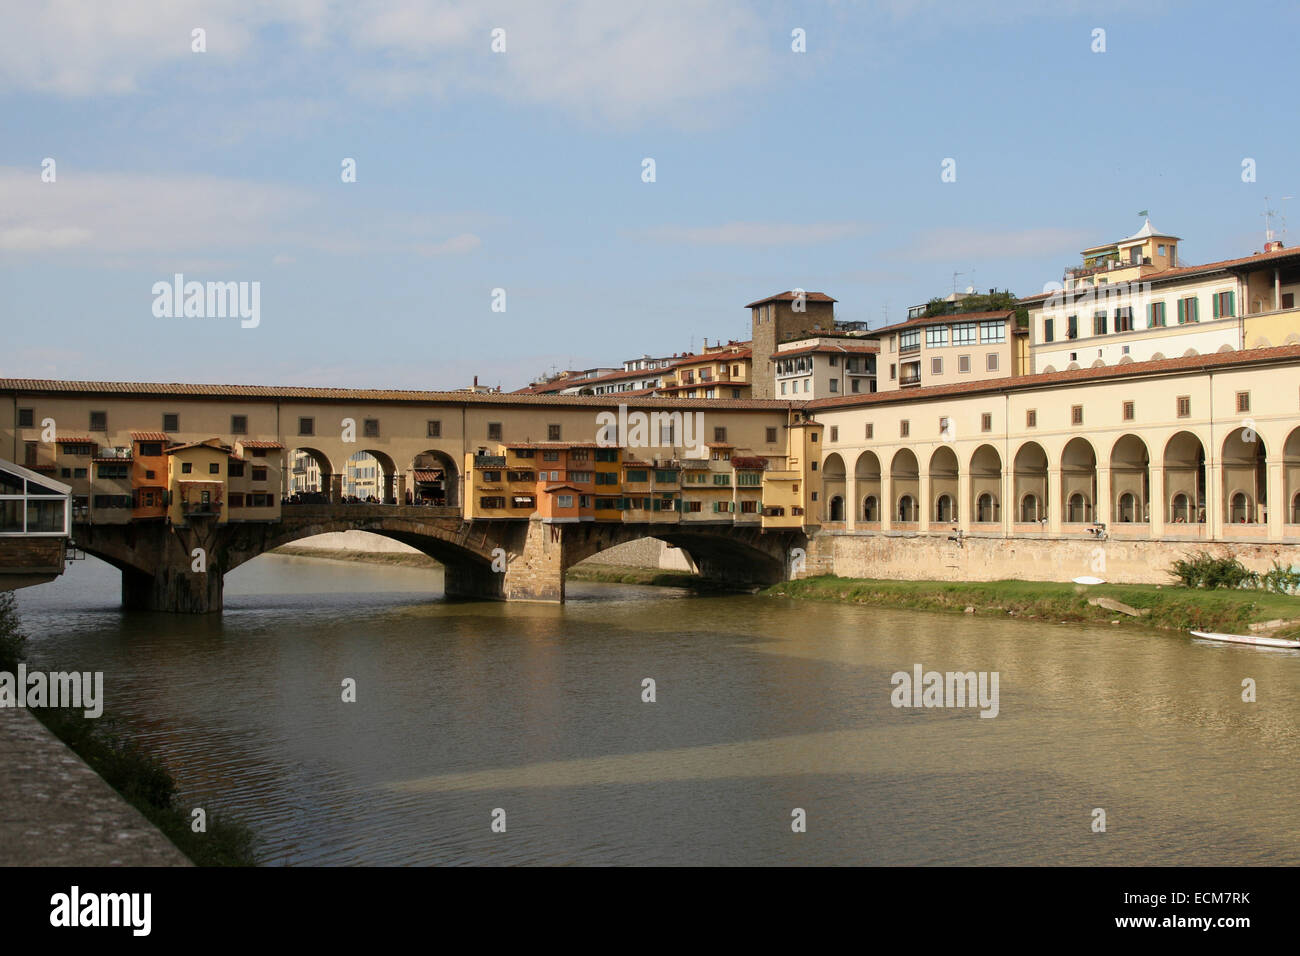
(1128, 303)
(947, 349)
(35, 522)
(362, 478)
(823, 366)
(306, 474)
(782, 318)
(719, 371)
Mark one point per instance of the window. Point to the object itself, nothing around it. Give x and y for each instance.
(1124, 319)
(870, 431)
(1223, 304)
(771, 436)
(835, 385)
(214, 468)
(835, 360)
(529, 453)
(904, 428)
(909, 341)
(1031, 418)
(723, 480)
(1243, 401)
(306, 426)
(1099, 323)
(1188, 311)
(434, 429)
(26, 418)
(236, 500)
(635, 475)
(607, 454)
(1128, 411)
(550, 456)
(944, 424)
(259, 474)
(187, 467)
(986, 422)
(552, 432)
(936, 366)
(606, 477)
(564, 501)
(964, 333)
(993, 331)
(239, 424)
(494, 431)
(370, 429)
(1049, 330)
(1184, 406)
(1156, 315)
(171, 422)
(719, 434)
(99, 421)
(150, 449)
(963, 363)
(1072, 327)
(1288, 300)
(580, 477)
(1076, 415)
(936, 336)
(854, 385)
(492, 501)
(783, 384)
(111, 471)
(991, 361)
(893, 371)
(235, 469)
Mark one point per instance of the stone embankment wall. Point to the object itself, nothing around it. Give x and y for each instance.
(934, 558)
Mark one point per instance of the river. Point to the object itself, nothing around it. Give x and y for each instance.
(762, 706)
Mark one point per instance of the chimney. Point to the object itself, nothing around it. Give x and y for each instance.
(1273, 245)
(476, 381)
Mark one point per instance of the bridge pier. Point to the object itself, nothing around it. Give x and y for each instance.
(175, 589)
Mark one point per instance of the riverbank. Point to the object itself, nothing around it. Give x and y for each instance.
(78, 791)
(1146, 605)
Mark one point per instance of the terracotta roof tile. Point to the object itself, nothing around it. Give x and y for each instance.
(790, 296)
(260, 444)
(149, 436)
(75, 440)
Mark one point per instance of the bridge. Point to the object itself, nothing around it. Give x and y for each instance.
(182, 567)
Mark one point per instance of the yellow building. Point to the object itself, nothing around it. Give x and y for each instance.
(720, 371)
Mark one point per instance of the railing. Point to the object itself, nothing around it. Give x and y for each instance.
(905, 380)
(489, 461)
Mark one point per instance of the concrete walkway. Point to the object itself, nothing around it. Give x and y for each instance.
(56, 811)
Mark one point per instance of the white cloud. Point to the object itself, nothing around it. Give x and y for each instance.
(755, 233)
(606, 60)
(456, 245)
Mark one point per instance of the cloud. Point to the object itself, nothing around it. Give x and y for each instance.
(605, 60)
(754, 233)
(465, 242)
(977, 244)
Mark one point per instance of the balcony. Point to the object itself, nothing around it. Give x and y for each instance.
(908, 379)
(489, 461)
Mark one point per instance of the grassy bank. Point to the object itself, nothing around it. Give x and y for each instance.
(617, 574)
(141, 779)
(394, 558)
(1171, 607)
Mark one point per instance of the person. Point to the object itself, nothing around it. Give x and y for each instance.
(408, 496)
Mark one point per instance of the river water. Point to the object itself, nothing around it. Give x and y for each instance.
(762, 706)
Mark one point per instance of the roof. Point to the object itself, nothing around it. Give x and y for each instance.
(74, 440)
(213, 443)
(422, 475)
(260, 444)
(559, 384)
(1081, 376)
(149, 436)
(1146, 232)
(374, 395)
(638, 464)
(561, 445)
(790, 297)
(921, 321)
(562, 487)
(857, 349)
(33, 475)
(1181, 272)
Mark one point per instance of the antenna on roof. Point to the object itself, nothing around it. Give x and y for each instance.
(954, 281)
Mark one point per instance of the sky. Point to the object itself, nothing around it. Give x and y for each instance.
(523, 169)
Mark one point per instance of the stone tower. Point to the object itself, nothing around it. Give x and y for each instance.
(780, 318)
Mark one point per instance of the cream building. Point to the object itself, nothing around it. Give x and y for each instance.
(825, 366)
(949, 349)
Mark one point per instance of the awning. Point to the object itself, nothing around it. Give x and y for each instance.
(428, 476)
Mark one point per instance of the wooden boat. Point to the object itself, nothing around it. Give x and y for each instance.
(1248, 639)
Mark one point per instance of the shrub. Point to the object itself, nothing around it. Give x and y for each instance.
(1204, 570)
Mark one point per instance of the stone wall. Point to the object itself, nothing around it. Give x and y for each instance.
(934, 558)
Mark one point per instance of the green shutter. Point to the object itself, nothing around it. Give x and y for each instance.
(1215, 300)
(1232, 303)
(1182, 311)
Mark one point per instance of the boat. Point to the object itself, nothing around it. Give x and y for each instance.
(1248, 639)
(1086, 579)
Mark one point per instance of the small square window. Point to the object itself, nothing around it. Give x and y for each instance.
(434, 429)
(187, 467)
(171, 422)
(871, 431)
(1076, 415)
(991, 361)
(1243, 401)
(370, 428)
(771, 436)
(904, 428)
(1128, 411)
(214, 468)
(494, 431)
(719, 434)
(986, 422)
(99, 421)
(963, 363)
(552, 432)
(26, 418)
(1031, 418)
(239, 424)
(835, 433)
(306, 426)
(1184, 406)
(936, 366)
